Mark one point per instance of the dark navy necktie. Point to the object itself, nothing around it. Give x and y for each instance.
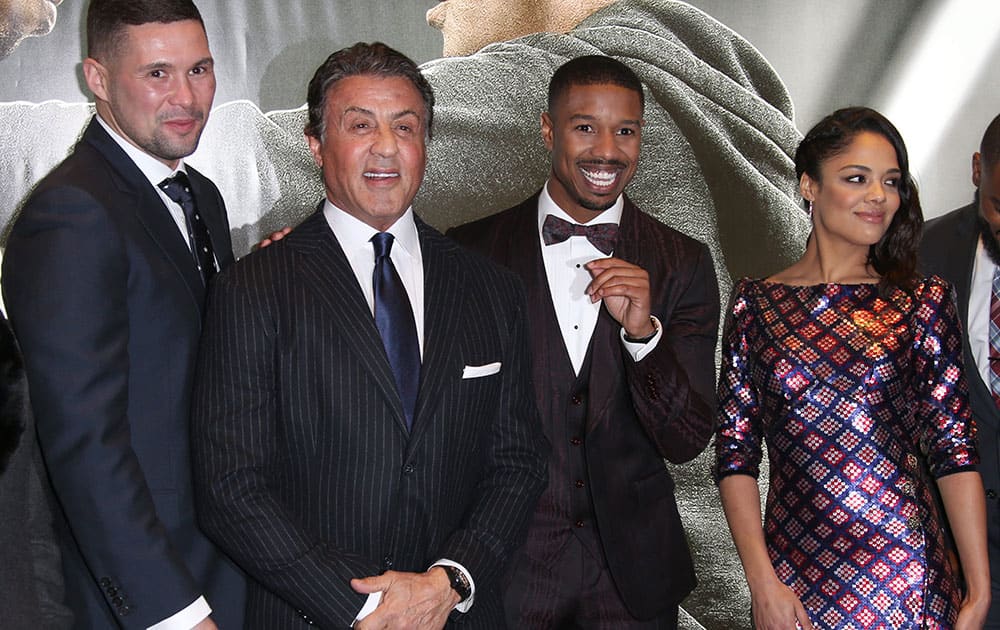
(178, 188)
(394, 319)
(601, 235)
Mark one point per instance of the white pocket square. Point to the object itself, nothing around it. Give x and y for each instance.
(479, 371)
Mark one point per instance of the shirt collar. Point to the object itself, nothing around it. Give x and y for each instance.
(547, 206)
(354, 234)
(154, 170)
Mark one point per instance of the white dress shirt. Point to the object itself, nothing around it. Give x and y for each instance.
(568, 280)
(156, 171)
(980, 293)
(355, 237)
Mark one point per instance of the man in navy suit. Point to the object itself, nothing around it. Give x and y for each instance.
(366, 444)
(104, 277)
(623, 313)
(963, 247)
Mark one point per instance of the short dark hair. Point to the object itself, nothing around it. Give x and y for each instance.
(362, 59)
(894, 257)
(989, 148)
(593, 70)
(107, 19)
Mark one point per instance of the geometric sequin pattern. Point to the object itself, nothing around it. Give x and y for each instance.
(861, 401)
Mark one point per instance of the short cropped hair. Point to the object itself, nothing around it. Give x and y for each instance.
(363, 59)
(107, 20)
(593, 70)
(989, 148)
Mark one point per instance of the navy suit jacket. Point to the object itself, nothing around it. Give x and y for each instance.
(106, 301)
(306, 473)
(638, 412)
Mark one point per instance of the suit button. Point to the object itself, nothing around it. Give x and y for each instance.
(124, 610)
(112, 591)
(579, 483)
(408, 469)
(105, 582)
(118, 601)
(579, 523)
(576, 400)
(575, 441)
(991, 494)
(387, 562)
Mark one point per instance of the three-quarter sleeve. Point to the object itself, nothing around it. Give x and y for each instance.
(738, 436)
(943, 412)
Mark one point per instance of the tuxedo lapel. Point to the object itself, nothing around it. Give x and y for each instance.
(443, 279)
(328, 275)
(149, 210)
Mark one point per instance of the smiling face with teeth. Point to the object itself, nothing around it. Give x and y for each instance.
(373, 151)
(593, 133)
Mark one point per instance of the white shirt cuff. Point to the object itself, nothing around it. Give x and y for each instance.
(189, 617)
(374, 599)
(464, 606)
(638, 351)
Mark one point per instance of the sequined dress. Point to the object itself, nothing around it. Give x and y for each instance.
(861, 400)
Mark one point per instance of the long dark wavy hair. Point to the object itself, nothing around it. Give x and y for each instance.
(894, 257)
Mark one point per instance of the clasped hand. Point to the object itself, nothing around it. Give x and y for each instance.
(409, 600)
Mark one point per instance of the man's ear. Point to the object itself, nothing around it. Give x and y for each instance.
(96, 76)
(316, 148)
(547, 130)
(977, 169)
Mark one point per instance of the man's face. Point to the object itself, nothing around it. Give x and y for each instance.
(24, 18)
(156, 90)
(987, 180)
(593, 133)
(373, 149)
(468, 25)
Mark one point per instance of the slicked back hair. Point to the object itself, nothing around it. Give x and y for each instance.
(363, 59)
(894, 257)
(989, 148)
(107, 20)
(593, 70)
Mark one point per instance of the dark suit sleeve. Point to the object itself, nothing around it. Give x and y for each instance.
(672, 387)
(236, 440)
(65, 278)
(517, 455)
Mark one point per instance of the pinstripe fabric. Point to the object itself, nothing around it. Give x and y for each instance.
(305, 472)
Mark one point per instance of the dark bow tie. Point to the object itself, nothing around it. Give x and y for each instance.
(601, 235)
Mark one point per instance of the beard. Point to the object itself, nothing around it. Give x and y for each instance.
(989, 239)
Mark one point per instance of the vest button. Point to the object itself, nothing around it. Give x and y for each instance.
(575, 441)
(991, 494)
(576, 400)
(579, 483)
(579, 523)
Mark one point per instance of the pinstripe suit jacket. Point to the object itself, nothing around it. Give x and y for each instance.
(305, 471)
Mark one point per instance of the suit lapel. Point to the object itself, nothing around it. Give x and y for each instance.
(959, 272)
(149, 210)
(328, 275)
(443, 280)
(214, 216)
